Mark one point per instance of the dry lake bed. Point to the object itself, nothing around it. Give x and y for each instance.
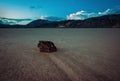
(83, 55)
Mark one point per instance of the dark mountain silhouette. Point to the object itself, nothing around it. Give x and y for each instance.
(12, 26)
(106, 21)
(103, 21)
(38, 23)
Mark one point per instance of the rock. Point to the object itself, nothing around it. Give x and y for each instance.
(47, 46)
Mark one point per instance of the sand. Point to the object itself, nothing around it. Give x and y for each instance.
(83, 55)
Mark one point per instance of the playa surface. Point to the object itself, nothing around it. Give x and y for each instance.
(83, 55)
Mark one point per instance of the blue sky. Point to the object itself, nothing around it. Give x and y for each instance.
(55, 8)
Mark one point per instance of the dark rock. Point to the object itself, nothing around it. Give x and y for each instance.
(47, 46)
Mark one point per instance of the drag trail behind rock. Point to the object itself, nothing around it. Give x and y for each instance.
(71, 74)
(20, 62)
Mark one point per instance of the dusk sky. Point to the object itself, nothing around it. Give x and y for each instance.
(55, 8)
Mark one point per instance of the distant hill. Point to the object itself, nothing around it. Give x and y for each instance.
(12, 26)
(106, 21)
(38, 23)
(103, 21)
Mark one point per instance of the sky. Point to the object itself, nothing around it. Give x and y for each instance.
(56, 9)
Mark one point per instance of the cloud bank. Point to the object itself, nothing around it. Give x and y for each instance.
(81, 15)
(11, 21)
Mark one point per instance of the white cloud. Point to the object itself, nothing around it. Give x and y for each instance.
(51, 18)
(80, 12)
(43, 17)
(24, 22)
(115, 10)
(105, 12)
(11, 21)
(81, 15)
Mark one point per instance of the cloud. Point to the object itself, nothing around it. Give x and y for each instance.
(81, 15)
(32, 7)
(77, 15)
(35, 7)
(105, 12)
(43, 17)
(51, 18)
(12, 21)
(115, 10)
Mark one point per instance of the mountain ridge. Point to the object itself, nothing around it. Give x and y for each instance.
(106, 21)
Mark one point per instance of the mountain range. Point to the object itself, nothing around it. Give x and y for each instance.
(106, 21)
